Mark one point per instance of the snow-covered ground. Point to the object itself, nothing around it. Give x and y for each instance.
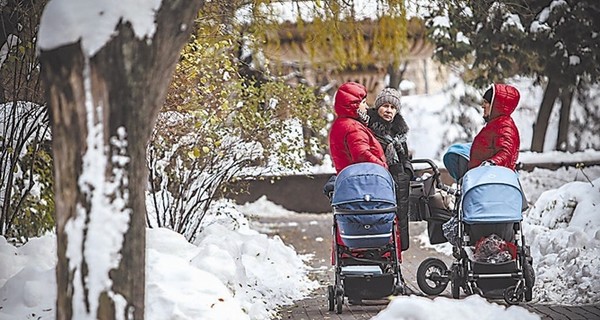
(234, 272)
(231, 272)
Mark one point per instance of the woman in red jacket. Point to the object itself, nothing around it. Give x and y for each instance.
(350, 140)
(498, 142)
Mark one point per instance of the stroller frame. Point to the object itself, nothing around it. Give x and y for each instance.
(474, 277)
(471, 276)
(365, 268)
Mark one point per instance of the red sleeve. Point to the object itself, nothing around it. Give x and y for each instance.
(361, 149)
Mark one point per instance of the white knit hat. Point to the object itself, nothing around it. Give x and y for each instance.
(388, 95)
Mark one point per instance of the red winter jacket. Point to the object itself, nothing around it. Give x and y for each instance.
(498, 141)
(350, 141)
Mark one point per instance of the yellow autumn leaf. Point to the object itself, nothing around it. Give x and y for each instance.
(192, 154)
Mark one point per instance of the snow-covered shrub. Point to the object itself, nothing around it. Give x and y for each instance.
(26, 197)
(217, 125)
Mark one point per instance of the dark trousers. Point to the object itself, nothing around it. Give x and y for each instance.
(402, 192)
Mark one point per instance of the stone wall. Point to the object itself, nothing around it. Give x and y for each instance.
(299, 193)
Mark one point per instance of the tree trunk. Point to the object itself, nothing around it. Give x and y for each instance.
(396, 74)
(103, 109)
(541, 124)
(566, 99)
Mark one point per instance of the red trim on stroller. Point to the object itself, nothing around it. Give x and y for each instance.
(340, 242)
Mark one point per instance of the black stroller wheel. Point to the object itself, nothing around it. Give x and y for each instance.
(331, 297)
(512, 295)
(455, 287)
(528, 294)
(529, 276)
(455, 282)
(432, 276)
(339, 301)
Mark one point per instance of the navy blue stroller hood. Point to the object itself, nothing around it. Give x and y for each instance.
(364, 186)
(364, 202)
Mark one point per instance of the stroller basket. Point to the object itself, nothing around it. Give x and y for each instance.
(494, 286)
(491, 194)
(492, 278)
(369, 286)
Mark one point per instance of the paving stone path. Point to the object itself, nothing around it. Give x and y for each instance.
(311, 234)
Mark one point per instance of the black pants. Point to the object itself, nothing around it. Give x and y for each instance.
(402, 192)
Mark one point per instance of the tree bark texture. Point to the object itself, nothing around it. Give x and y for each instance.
(566, 99)
(541, 124)
(129, 79)
(396, 74)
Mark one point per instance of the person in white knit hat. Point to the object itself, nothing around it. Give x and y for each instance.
(390, 129)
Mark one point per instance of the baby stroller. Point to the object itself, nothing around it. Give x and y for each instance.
(491, 258)
(428, 200)
(365, 247)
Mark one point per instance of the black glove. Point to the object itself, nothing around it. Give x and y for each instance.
(329, 185)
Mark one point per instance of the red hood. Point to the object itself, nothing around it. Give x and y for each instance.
(348, 98)
(505, 99)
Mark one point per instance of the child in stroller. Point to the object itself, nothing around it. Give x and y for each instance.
(366, 249)
(491, 258)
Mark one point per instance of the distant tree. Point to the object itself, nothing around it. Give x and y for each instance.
(566, 35)
(557, 42)
(103, 106)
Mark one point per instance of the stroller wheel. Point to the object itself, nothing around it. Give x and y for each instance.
(331, 297)
(455, 282)
(528, 294)
(455, 287)
(432, 276)
(512, 295)
(339, 301)
(529, 276)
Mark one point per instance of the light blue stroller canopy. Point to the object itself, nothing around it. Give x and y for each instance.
(491, 194)
(456, 159)
(364, 202)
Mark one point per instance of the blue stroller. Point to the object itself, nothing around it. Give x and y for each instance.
(491, 258)
(365, 246)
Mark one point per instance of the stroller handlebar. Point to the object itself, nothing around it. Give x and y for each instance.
(436, 176)
(431, 164)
